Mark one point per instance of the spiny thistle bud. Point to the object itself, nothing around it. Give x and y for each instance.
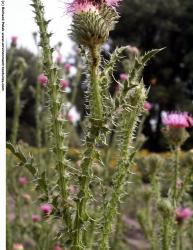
(92, 22)
(138, 93)
(21, 63)
(165, 207)
(175, 136)
(154, 162)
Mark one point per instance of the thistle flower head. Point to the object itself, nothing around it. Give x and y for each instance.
(78, 6)
(177, 120)
(18, 246)
(23, 180)
(43, 80)
(183, 214)
(147, 106)
(92, 21)
(35, 218)
(14, 41)
(46, 208)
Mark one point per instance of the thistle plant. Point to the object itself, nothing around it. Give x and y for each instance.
(168, 189)
(18, 75)
(83, 223)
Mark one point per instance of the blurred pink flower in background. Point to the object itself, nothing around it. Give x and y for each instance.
(23, 181)
(64, 84)
(73, 189)
(59, 59)
(67, 67)
(148, 106)
(43, 80)
(177, 120)
(179, 183)
(183, 214)
(57, 247)
(133, 49)
(35, 218)
(14, 40)
(46, 208)
(73, 115)
(18, 246)
(123, 77)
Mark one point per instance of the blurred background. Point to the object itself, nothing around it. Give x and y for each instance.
(145, 24)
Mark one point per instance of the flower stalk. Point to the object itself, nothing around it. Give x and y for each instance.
(57, 125)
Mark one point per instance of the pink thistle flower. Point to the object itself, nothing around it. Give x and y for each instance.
(112, 2)
(123, 77)
(35, 218)
(43, 80)
(18, 246)
(23, 181)
(57, 247)
(64, 84)
(67, 66)
(177, 120)
(14, 40)
(183, 214)
(46, 208)
(79, 6)
(148, 106)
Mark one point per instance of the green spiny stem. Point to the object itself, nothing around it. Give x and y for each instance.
(166, 234)
(96, 111)
(37, 115)
(17, 107)
(176, 176)
(84, 193)
(96, 99)
(129, 123)
(179, 240)
(57, 124)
